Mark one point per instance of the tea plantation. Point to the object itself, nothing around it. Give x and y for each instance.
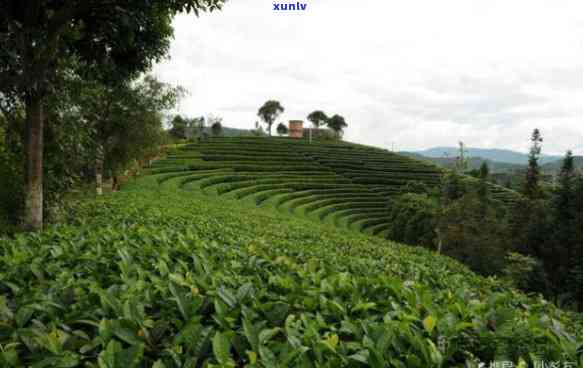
(336, 182)
(162, 274)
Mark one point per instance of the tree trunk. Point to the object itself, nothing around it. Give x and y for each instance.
(33, 206)
(99, 170)
(115, 184)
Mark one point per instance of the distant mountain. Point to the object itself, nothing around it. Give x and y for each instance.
(474, 163)
(555, 166)
(493, 154)
(551, 165)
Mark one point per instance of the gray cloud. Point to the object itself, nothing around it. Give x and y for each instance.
(483, 72)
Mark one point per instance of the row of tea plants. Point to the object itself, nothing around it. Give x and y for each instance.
(162, 277)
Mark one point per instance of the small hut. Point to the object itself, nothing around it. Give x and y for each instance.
(296, 129)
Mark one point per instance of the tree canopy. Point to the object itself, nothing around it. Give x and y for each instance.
(282, 129)
(108, 41)
(337, 124)
(269, 112)
(532, 188)
(318, 118)
(217, 128)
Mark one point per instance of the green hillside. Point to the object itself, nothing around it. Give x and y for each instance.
(336, 182)
(167, 277)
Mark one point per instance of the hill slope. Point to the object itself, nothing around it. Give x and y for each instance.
(337, 182)
(180, 279)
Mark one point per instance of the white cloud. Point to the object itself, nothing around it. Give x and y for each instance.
(419, 73)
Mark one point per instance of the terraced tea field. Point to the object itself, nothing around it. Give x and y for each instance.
(167, 278)
(336, 182)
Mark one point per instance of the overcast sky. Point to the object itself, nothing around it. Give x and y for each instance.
(419, 73)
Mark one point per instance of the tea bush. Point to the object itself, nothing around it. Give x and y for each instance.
(171, 278)
(285, 173)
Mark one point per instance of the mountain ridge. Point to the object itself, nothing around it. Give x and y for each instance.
(493, 154)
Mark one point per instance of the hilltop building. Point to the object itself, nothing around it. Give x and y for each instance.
(296, 129)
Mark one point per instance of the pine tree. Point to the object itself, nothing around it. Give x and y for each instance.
(483, 175)
(576, 266)
(531, 222)
(532, 187)
(452, 187)
(462, 163)
(484, 171)
(558, 255)
(564, 197)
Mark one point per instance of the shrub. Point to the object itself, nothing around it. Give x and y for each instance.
(523, 271)
(412, 219)
(475, 233)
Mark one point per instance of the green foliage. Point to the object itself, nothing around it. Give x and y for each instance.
(44, 43)
(67, 151)
(549, 229)
(164, 277)
(532, 189)
(178, 127)
(337, 123)
(124, 37)
(318, 118)
(484, 171)
(217, 129)
(412, 218)
(269, 112)
(475, 232)
(336, 182)
(281, 129)
(417, 187)
(522, 271)
(10, 183)
(127, 119)
(462, 161)
(322, 134)
(453, 187)
(187, 129)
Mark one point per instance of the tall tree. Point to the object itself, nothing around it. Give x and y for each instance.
(198, 126)
(126, 120)
(318, 118)
(452, 187)
(532, 188)
(217, 129)
(337, 124)
(576, 271)
(559, 255)
(269, 112)
(564, 197)
(462, 162)
(121, 37)
(530, 222)
(474, 233)
(484, 171)
(483, 175)
(216, 125)
(178, 128)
